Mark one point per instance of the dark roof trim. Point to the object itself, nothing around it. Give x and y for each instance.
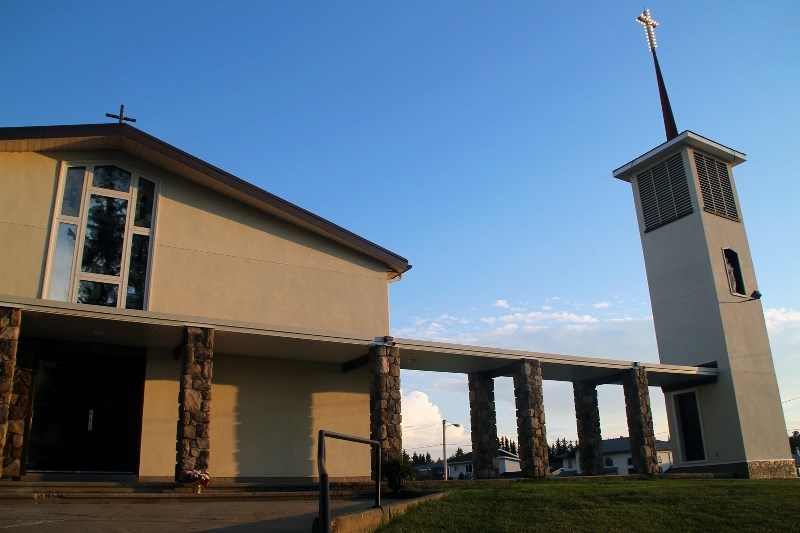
(119, 136)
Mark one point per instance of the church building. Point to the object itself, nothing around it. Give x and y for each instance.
(159, 315)
(134, 276)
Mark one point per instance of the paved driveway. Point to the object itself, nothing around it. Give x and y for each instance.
(280, 516)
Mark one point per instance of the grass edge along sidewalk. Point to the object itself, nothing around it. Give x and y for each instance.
(658, 504)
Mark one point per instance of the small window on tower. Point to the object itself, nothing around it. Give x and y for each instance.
(734, 272)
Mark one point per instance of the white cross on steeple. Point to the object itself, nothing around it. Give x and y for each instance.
(649, 24)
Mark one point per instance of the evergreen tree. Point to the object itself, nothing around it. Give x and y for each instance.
(428, 459)
(513, 447)
(459, 453)
(562, 446)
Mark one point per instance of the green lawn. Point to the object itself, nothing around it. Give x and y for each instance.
(610, 505)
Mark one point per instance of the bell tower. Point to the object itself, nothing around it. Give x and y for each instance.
(706, 304)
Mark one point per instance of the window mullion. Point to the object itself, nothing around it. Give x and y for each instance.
(127, 242)
(79, 238)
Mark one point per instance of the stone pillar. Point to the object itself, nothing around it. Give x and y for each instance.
(587, 416)
(531, 432)
(640, 421)
(483, 420)
(384, 400)
(10, 321)
(194, 409)
(17, 418)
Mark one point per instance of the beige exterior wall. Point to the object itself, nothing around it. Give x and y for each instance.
(160, 415)
(212, 256)
(215, 257)
(27, 191)
(266, 414)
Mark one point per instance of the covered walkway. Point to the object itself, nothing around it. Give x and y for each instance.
(39, 320)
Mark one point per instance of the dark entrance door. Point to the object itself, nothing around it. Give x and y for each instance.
(86, 414)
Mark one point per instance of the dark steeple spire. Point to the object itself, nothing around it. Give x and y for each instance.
(650, 31)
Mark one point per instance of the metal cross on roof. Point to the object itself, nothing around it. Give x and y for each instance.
(649, 24)
(121, 115)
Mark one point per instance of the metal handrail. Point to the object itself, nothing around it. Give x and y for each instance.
(324, 482)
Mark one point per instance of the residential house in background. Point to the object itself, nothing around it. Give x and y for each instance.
(462, 467)
(616, 458)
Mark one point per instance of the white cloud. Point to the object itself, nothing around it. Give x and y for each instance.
(539, 316)
(502, 303)
(422, 426)
(601, 305)
(779, 318)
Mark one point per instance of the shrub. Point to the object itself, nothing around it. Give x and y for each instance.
(396, 472)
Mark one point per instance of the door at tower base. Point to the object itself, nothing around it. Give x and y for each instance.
(690, 429)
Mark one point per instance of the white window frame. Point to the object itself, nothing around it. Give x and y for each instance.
(80, 222)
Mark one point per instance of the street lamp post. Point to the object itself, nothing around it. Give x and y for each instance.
(445, 423)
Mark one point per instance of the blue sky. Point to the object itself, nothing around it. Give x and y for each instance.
(475, 138)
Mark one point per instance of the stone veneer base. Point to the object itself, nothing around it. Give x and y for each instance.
(779, 469)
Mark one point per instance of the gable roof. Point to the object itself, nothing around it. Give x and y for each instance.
(132, 141)
(464, 459)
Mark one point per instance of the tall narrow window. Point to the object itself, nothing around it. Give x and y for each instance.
(733, 270)
(102, 237)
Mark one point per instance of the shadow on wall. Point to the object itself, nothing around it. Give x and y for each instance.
(266, 414)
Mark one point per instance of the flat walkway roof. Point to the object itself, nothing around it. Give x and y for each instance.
(48, 319)
(442, 357)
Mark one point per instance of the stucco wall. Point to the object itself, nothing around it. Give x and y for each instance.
(215, 257)
(160, 415)
(212, 256)
(266, 413)
(27, 189)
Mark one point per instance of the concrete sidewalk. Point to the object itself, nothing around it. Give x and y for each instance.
(150, 516)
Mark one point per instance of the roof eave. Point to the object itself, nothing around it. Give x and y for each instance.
(139, 144)
(687, 138)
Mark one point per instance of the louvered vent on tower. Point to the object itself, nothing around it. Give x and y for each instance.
(715, 185)
(664, 193)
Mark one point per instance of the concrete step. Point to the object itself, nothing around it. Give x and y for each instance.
(60, 491)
